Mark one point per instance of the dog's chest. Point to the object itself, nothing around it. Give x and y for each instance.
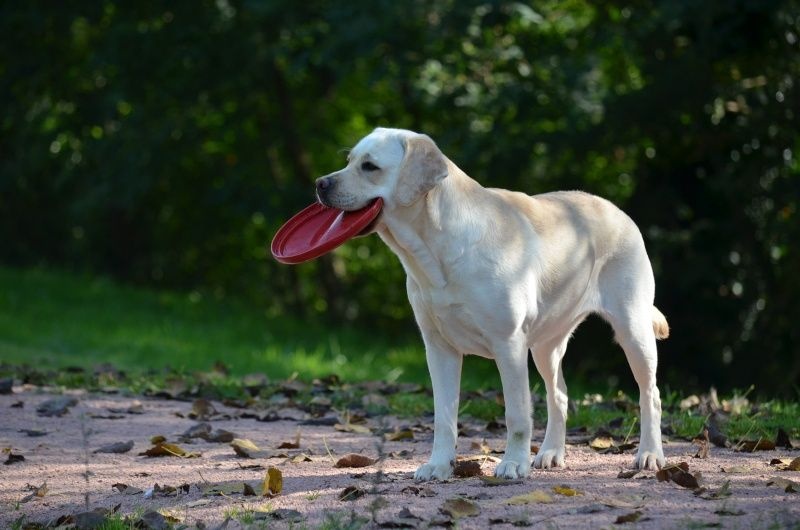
(458, 321)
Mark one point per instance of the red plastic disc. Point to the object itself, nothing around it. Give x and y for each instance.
(318, 229)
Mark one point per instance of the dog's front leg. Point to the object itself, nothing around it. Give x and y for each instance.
(444, 365)
(512, 361)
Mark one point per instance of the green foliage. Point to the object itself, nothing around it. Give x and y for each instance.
(165, 145)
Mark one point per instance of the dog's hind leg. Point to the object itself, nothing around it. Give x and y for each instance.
(547, 358)
(629, 309)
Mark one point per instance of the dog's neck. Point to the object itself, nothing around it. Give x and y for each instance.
(405, 229)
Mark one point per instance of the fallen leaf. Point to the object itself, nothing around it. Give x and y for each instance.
(127, 490)
(422, 492)
(751, 446)
(466, 469)
(355, 460)
(273, 482)
(37, 492)
(57, 406)
(116, 448)
(157, 439)
(248, 490)
(202, 409)
(712, 495)
(566, 491)
(168, 449)
(782, 440)
(535, 496)
(601, 442)
(458, 508)
(727, 511)
(396, 436)
(246, 449)
(789, 486)
(302, 457)
(404, 519)
(679, 474)
(351, 493)
(715, 434)
(628, 518)
(295, 444)
(220, 436)
(33, 433)
(786, 464)
(633, 501)
(351, 427)
(14, 458)
(628, 474)
(703, 445)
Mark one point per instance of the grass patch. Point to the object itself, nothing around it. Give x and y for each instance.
(60, 320)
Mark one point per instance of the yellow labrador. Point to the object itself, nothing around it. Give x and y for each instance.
(498, 273)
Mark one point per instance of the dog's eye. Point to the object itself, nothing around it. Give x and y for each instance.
(369, 166)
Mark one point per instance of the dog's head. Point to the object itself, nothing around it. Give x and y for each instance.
(396, 165)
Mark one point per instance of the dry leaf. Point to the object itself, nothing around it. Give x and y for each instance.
(56, 406)
(168, 449)
(789, 486)
(293, 444)
(116, 448)
(751, 446)
(628, 474)
(628, 518)
(351, 493)
(404, 434)
(679, 474)
(355, 460)
(466, 469)
(202, 409)
(37, 492)
(703, 445)
(566, 491)
(157, 439)
(245, 448)
(536, 496)
(273, 482)
(302, 457)
(713, 495)
(458, 508)
(623, 501)
(782, 439)
(127, 490)
(601, 442)
(14, 458)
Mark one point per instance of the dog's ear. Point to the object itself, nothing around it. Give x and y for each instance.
(424, 166)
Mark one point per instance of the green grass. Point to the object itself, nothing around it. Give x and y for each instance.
(55, 319)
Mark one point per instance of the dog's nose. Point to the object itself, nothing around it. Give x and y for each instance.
(323, 183)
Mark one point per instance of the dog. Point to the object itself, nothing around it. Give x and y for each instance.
(501, 274)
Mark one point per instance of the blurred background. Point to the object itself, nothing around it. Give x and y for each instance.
(157, 149)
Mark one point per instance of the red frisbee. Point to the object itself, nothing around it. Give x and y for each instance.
(318, 229)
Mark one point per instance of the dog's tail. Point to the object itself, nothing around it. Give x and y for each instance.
(660, 325)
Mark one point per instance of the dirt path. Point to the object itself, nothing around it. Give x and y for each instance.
(62, 456)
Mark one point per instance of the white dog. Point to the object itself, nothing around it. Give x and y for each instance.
(497, 273)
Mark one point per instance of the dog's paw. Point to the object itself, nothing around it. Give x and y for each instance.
(512, 470)
(547, 458)
(649, 460)
(431, 471)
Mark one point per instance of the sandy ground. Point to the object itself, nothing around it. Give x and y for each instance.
(62, 457)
